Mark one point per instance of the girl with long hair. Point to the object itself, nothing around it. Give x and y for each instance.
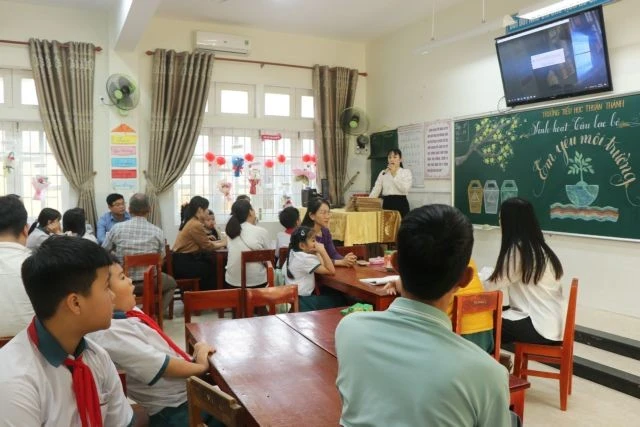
(393, 183)
(47, 224)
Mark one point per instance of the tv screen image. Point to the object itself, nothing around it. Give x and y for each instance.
(566, 57)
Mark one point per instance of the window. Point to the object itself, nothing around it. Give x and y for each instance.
(28, 91)
(272, 184)
(277, 101)
(33, 159)
(304, 98)
(5, 88)
(2, 90)
(235, 99)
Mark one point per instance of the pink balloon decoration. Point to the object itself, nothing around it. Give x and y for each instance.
(282, 158)
(221, 161)
(249, 157)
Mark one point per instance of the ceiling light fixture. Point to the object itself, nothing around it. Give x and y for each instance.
(549, 7)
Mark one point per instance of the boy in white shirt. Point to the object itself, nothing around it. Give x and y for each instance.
(50, 375)
(290, 219)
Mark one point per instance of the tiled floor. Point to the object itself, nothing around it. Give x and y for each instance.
(589, 405)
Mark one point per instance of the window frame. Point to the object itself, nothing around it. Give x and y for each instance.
(7, 87)
(17, 77)
(299, 94)
(279, 90)
(251, 96)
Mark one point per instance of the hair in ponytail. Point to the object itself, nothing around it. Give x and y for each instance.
(299, 235)
(189, 210)
(239, 213)
(46, 215)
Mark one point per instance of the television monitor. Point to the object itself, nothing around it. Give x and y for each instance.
(563, 58)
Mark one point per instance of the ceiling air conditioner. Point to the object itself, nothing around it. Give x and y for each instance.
(227, 43)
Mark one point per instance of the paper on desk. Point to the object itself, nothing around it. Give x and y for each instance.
(380, 280)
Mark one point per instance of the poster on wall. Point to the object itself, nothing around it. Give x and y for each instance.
(411, 143)
(124, 159)
(437, 153)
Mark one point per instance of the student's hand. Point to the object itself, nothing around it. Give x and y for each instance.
(351, 258)
(319, 248)
(201, 352)
(392, 287)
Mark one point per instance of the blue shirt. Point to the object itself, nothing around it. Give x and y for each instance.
(405, 367)
(106, 222)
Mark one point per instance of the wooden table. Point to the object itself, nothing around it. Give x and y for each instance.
(347, 281)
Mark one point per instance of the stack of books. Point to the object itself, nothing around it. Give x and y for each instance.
(364, 204)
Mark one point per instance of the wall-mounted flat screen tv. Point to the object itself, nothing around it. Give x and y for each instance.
(563, 58)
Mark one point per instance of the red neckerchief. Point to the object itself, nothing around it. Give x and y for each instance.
(144, 318)
(84, 386)
(290, 230)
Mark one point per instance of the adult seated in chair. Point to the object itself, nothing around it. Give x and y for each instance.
(15, 308)
(139, 236)
(117, 213)
(192, 250)
(438, 377)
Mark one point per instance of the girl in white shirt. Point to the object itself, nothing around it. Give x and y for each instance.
(244, 235)
(306, 258)
(394, 183)
(531, 272)
(48, 223)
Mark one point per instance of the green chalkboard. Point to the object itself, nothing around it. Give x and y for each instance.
(578, 164)
(381, 143)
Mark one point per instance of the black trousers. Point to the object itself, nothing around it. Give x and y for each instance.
(523, 331)
(396, 203)
(199, 265)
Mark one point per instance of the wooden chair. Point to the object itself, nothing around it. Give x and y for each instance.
(282, 256)
(266, 256)
(152, 293)
(478, 303)
(557, 354)
(141, 260)
(192, 284)
(262, 297)
(204, 300)
(358, 250)
(203, 396)
(4, 341)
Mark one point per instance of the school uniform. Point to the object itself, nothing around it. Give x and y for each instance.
(37, 236)
(251, 238)
(393, 190)
(36, 387)
(301, 265)
(16, 310)
(144, 355)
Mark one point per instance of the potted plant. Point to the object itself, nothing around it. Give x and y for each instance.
(581, 194)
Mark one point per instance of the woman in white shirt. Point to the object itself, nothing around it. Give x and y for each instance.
(394, 183)
(531, 272)
(244, 235)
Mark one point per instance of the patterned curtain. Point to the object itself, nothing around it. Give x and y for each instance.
(63, 74)
(179, 96)
(334, 89)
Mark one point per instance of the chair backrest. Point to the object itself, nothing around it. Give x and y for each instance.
(570, 321)
(267, 256)
(203, 396)
(141, 260)
(261, 297)
(152, 293)
(212, 300)
(478, 303)
(358, 250)
(168, 259)
(282, 256)
(4, 341)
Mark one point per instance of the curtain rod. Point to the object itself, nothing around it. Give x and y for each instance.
(263, 63)
(97, 48)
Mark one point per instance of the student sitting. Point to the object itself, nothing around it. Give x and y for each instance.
(48, 224)
(74, 223)
(50, 374)
(156, 367)
(210, 226)
(289, 218)
(307, 257)
(476, 327)
(438, 378)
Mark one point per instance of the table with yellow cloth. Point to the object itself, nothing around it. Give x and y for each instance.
(357, 228)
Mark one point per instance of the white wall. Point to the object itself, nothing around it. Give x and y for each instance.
(86, 26)
(463, 79)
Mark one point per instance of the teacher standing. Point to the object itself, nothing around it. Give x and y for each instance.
(394, 183)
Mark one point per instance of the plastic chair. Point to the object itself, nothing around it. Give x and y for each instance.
(358, 250)
(266, 256)
(192, 284)
(262, 297)
(478, 303)
(203, 396)
(557, 354)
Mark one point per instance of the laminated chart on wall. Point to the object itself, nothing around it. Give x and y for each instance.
(411, 143)
(577, 163)
(124, 159)
(437, 153)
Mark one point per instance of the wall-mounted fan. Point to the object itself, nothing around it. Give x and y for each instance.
(355, 122)
(123, 92)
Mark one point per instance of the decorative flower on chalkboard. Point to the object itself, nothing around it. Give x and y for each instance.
(580, 165)
(493, 140)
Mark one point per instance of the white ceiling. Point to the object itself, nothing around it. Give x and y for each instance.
(357, 20)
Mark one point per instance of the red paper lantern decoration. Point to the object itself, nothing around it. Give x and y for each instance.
(268, 163)
(306, 158)
(249, 157)
(221, 161)
(313, 158)
(282, 158)
(209, 156)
